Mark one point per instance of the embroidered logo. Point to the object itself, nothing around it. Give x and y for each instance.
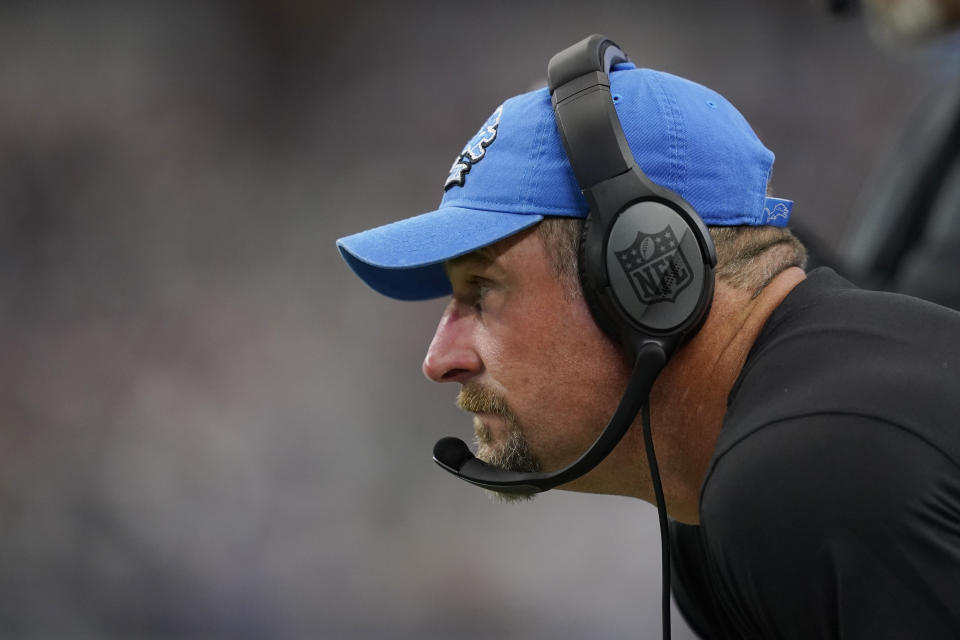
(474, 151)
(780, 213)
(656, 267)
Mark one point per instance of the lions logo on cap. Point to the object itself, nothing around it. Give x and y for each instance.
(656, 267)
(474, 151)
(780, 213)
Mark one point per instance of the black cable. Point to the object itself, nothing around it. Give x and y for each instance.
(662, 513)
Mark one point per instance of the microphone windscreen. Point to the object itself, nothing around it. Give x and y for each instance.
(452, 452)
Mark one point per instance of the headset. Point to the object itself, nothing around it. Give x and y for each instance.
(648, 299)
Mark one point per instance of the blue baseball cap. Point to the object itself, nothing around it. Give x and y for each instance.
(514, 172)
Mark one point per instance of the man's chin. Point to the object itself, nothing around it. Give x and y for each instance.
(511, 455)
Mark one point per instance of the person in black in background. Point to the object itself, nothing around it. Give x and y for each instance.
(907, 237)
(807, 435)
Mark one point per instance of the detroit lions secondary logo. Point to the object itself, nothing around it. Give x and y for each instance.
(781, 212)
(656, 267)
(474, 151)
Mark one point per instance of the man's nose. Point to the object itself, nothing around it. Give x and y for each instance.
(451, 356)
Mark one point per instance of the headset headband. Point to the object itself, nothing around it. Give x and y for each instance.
(579, 82)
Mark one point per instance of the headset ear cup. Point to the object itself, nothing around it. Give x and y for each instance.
(660, 277)
(648, 273)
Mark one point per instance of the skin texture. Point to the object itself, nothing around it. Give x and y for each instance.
(512, 331)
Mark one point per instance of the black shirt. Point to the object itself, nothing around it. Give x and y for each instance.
(831, 506)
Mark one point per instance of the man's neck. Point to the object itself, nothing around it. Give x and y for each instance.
(689, 400)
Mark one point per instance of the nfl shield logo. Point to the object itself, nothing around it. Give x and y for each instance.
(655, 266)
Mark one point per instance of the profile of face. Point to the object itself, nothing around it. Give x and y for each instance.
(535, 370)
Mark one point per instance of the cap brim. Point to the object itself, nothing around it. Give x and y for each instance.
(404, 259)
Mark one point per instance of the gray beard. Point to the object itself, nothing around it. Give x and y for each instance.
(512, 455)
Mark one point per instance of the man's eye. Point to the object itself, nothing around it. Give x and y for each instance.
(478, 291)
(477, 297)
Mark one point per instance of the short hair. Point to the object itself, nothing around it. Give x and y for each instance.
(748, 257)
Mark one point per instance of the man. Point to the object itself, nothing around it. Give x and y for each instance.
(806, 435)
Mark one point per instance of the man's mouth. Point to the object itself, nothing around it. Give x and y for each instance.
(488, 427)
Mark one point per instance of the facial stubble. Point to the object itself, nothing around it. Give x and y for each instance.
(513, 452)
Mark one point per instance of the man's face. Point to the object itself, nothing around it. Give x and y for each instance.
(540, 377)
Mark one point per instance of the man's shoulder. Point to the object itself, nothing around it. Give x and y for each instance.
(832, 503)
(830, 521)
(833, 349)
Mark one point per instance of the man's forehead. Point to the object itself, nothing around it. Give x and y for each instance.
(483, 256)
(491, 254)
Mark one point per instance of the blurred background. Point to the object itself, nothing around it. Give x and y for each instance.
(208, 426)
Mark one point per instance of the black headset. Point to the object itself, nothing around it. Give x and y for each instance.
(646, 294)
(646, 271)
